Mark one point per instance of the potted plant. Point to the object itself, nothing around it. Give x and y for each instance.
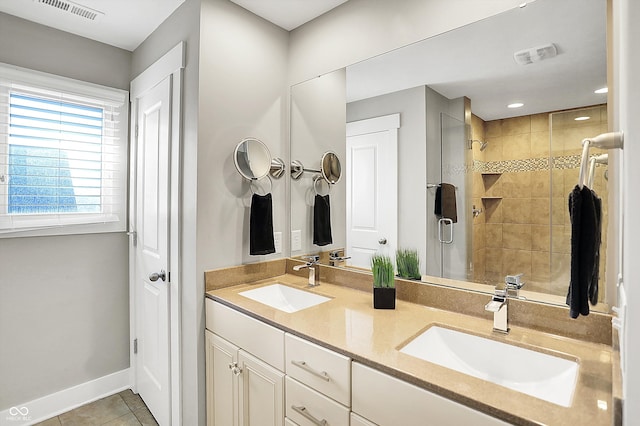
(408, 264)
(384, 289)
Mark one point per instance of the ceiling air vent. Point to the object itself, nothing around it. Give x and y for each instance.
(73, 8)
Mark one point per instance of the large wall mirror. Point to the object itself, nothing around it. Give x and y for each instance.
(434, 115)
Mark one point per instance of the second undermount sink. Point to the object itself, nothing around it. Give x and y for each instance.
(284, 298)
(540, 375)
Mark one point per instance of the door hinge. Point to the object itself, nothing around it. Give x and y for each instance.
(134, 236)
(136, 131)
(135, 346)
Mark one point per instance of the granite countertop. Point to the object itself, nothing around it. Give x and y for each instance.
(349, 325)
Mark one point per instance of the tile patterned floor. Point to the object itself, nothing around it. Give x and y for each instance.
(122, 409)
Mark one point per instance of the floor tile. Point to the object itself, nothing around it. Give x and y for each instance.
(96, 413)
(133, 401)
(54, 421)
(145, 417)
(126, 420)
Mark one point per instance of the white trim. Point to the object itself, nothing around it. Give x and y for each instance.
(372, 125)
(65, 400)
(170, 65)
(171, 62)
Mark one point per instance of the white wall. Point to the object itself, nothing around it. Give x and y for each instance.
(627, 109)
(318, 125)
(64, 300)
(184, 25)
(412, 157)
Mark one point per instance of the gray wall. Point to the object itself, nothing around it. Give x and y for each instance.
(184, 25)
(360, 29)
(318, 125)
(64, 300)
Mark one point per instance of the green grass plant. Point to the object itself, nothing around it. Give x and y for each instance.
(408, 263)
(383, 271)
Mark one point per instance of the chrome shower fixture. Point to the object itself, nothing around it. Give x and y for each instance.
(483, 145)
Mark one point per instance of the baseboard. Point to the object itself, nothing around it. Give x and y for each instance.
(60, 402)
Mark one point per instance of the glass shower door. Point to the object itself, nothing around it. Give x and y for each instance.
(455, 235)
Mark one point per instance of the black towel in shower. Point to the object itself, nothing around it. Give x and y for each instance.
(585, 211)
(322, 221)
(445, 204)
(261, 225)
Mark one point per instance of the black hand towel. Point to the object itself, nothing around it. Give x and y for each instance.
(261, 225)
(322, 221)
(585, 211)
(445, 205)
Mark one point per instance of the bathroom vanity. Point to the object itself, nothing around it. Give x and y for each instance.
(340, 362)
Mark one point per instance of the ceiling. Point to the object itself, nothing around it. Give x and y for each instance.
(127, 23)
(477, 61)
(474, 61)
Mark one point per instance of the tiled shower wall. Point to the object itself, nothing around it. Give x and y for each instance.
(521, 182)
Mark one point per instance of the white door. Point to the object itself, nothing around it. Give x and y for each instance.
(372, 188)
(152, 250)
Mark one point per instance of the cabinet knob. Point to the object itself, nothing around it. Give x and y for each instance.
(233, 366)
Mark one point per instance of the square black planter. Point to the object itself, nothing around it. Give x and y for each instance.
(384, 298)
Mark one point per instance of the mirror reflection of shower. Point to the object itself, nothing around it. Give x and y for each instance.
(483, 144)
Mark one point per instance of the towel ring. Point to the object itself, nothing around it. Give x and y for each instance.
(254, 187)
(318, 180)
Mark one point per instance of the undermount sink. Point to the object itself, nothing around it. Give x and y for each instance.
(540, 375)
(284, 298)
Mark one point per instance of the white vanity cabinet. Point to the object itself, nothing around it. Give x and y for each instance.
(243, 389)
(388, 401)
(318, 384)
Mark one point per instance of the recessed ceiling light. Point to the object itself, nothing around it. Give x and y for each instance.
(603, 90)
(583, 118)
(515, 105)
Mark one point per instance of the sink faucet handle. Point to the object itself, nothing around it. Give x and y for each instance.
(312, 259)
(513, 281)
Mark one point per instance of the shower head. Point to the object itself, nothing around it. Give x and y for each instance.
(483, 145)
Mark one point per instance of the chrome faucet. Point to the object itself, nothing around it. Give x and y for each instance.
(335, 259)
(498, 304)
(312, 264)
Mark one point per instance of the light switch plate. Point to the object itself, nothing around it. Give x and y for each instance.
(277, 241)
(296, 240)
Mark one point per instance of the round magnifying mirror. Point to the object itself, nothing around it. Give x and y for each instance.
(330, 167)
(252, 159)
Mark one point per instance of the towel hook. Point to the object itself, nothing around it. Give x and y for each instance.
(253, 183)
(609, 140)
(318, 180)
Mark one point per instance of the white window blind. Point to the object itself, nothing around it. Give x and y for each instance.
(62, 155)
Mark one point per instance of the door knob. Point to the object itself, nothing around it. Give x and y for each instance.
(162, 275)
(382, 241)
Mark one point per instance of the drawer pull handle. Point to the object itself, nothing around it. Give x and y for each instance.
(322, 374)
(302, 410)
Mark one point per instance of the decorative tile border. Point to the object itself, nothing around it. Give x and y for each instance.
(527, 165)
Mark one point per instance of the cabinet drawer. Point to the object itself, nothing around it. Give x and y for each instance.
(320, 368)
(388, 401)
(303, 405)
(260, 339)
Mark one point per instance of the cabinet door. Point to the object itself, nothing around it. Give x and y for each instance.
(356, 420)
(261, 392)
(222, 388)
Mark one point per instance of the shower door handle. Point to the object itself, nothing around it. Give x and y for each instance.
(441, 223)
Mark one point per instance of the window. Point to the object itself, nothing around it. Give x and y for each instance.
(62, 155)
